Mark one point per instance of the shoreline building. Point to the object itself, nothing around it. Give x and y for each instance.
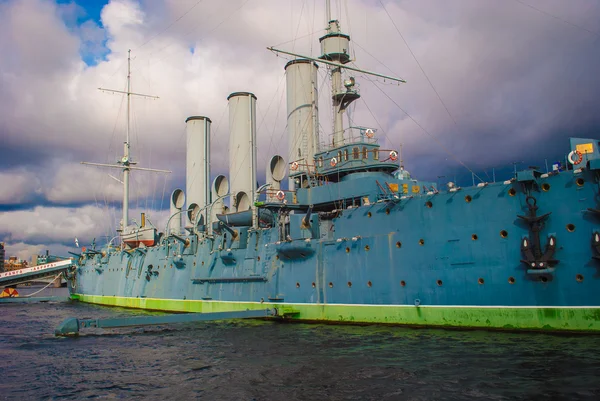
(1, 257)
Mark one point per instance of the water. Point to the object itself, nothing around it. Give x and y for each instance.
(259, 360)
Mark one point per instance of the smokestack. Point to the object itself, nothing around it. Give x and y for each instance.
(177, 202)
(197, 173)
(242, 149)
(303, 113)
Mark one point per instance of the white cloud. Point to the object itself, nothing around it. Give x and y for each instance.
(44, 225)
(18, 187)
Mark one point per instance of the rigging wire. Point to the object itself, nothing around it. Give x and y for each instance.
(557, 18)
(417, 61)
(299, 37)
(170, 25)
(206, 34)
(448, 152)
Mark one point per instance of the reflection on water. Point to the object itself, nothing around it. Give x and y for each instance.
(261, 360)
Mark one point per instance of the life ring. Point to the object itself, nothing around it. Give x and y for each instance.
(575, 161)
(333, 162)
(393, 155)
(294, 166)
(370, 133)
(280, 195)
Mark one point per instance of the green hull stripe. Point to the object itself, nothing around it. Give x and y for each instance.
(546, 318)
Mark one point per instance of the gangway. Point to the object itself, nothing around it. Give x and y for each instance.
(15, 277)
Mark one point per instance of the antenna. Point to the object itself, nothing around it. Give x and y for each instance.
(125, 163)
(401, 158)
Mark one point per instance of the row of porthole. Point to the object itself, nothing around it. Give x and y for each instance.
(480, 281)
(512, 192)
(469, 198)
(503, 233)
(546, 187)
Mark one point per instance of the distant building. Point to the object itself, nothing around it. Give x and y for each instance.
(1, 257)
(14, 263)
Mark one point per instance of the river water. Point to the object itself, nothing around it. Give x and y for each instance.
(262, 360)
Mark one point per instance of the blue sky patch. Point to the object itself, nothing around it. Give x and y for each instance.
(83, 18)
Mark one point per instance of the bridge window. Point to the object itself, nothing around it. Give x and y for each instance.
(375, 154)
(345, 155)
(321, 161)
(364, 152)
(355, 152)
(339, 157)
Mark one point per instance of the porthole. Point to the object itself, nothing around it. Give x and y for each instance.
(421, 241)
(439, 283)
(579, 278)
(468, 198)
(347, 250)
(330, 284)
(545, 187)
(313, 285)
(369, 284)
(474, 237)
(543, 279)
(297, 285)
(398, 244)
(512, 192)
(258, 258)
(570, 227)
(429, 204)
(387, 211)
(194, 263)
(480, 280)
(403, 283)
(369, 214)
(504, 233)
(579, 181)
(367, 247)
(202, 263)
(349, 284)
(511, 280)
(277, 257)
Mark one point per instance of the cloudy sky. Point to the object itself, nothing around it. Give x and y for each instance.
(489, 83)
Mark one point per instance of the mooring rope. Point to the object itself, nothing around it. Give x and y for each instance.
(37, 292)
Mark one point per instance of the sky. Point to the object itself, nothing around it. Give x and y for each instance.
(489, 83)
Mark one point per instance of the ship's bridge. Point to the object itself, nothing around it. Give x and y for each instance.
(358, 154)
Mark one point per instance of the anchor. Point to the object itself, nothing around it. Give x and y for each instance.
(596, 244)
(538, 262)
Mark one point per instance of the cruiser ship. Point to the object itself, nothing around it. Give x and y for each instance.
(343, 233)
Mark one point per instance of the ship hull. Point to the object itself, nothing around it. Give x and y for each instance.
(451, 259)
(541, 318)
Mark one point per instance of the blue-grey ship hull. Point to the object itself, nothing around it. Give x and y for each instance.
(438, 259)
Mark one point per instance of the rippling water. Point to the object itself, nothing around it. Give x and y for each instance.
(260, 360)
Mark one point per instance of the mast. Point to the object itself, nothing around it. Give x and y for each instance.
(125, 163)
(335, 52)
(125, 160)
